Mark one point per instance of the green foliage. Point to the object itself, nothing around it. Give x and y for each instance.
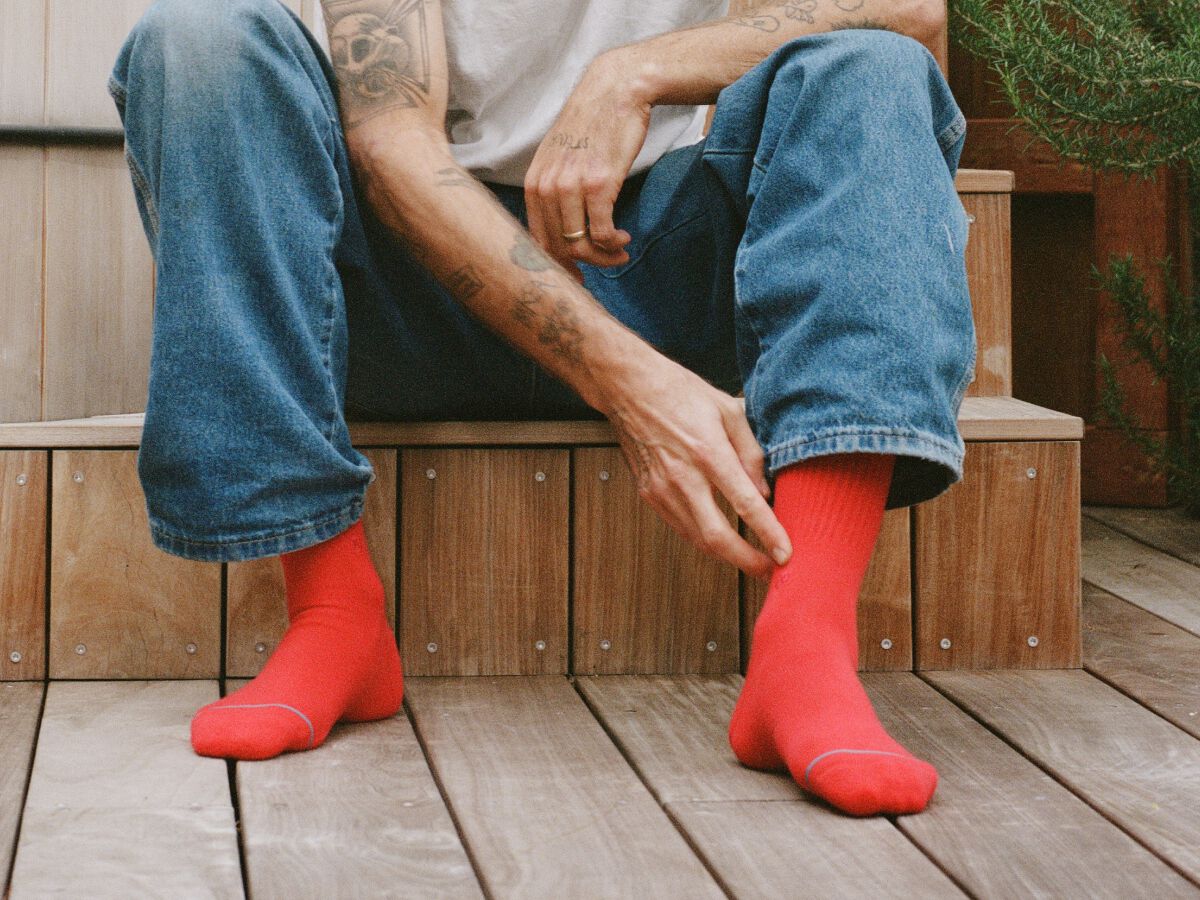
(1115, 84)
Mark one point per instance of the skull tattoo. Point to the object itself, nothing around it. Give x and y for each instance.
(380, 59)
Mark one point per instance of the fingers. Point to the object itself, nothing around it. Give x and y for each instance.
(555, 208)
(715, 535)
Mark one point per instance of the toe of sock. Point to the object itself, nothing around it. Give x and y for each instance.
(874, 785)
(247, 734)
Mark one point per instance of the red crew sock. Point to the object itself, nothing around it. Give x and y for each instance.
(802, 706)
(337, 661)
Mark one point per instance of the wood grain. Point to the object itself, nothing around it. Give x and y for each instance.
(364, 811)
(1000, 825)
(644, 599)
(22, 62)
(20, 709)
(1137, 769)
(119, 606)
(23, 501)
(997, 561)
(256, 601)
(22, 198)
(1143, 656)
(1001, 143)
(1169, 530)
(1149, 578)
(989, 276)
(545, 802)
(119, 805)
(884, 601)
(98, 287)
(483, 561)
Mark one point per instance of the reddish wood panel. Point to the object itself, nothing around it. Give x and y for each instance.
(997, 561)
(483, 561)
(884, 602)
(989, 276)
(256, 610)
(23, 475)
(645, 600)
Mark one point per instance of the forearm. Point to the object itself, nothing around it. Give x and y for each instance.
(459, 231)
(692, 65)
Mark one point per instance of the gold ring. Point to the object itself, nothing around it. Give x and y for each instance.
(575, 235)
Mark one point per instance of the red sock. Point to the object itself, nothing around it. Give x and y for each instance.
(337, 661)
(802, 706)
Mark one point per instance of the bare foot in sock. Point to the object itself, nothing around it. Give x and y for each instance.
(337, 661)
(802, 707)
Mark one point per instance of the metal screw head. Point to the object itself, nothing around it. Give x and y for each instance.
(78, 476)
(970, 217)
(431, 647)
(886, 643)
(711, 646)
(606, 644)
(539, 476)
(1032, 640)
(944, 643)
(190, 648)
(1031, 472)
(539, 645)
(260, 647)
(15, 656)
(604, 476)
(81, 649)
(22, 479)
(431, 474)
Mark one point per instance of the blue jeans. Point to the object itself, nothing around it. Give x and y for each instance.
(809, 251)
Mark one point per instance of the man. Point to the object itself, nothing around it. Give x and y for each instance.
(370, 254)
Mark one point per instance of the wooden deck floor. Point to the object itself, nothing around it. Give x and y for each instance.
(1056, 784)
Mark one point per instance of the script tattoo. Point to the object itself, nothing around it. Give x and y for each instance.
(568, 141)
(380, 55)
(551, 318)
(526, 254)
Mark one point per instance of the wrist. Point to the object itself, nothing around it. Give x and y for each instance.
(632, 74)
(622, 362)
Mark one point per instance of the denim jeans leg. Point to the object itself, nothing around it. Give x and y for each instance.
(240, 173)
(855, 324)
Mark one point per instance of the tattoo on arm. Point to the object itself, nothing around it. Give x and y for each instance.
(380, 52)
(465, 283)
(551, 318)
(528, 255)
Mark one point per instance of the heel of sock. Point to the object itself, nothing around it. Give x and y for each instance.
(382, 694)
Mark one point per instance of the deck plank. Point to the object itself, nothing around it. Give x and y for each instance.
(543, 798)
(119, 805)
(999, 824)
(1137, 769)
(1168, 530)
(363, 810)
(674, 731)
(1155, 581)
(20, 708)
(1150, 659)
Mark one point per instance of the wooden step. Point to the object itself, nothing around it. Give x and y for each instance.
(556, 567)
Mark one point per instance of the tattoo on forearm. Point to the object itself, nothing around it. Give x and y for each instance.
(551, 318)
(465, 283)
(764, 16)
(528, 255)
(801, 10)
(380, 53)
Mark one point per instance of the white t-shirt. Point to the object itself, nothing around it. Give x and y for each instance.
(513, 63)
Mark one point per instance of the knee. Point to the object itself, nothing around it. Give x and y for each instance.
(862, 59)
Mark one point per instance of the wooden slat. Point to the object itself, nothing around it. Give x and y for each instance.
(1137, 769)
(980, 419)
(22, 62)
(256, 611)
(997, 823)
(997, 561)
(23, 488)
(545, 802)
(1143, 656)
(995, 180)
(483, 561)
(98, 286)
(1158, 583)
(884, 602)
(644, 599)
(20, 708)
(363, 810)
(83, 38)
(989, 275)
(119, 805)
(119, 606)
(1169, 530)
(21, 198)
(674, 731)
(1035, 167)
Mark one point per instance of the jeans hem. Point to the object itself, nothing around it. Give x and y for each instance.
(235, 549)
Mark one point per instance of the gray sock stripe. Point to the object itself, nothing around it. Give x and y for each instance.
(312, 733)
(808, 770)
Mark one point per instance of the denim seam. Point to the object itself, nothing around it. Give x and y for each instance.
(654, 240)
(901, 443)
(142, 186)
(117, 90)
(948, 135)
(860, 431)
(306, 525)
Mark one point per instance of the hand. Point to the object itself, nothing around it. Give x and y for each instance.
(682, 437)
(579, 167)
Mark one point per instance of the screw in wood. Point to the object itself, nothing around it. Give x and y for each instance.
(539, 476)
(22, 479)
(78, 476)
(190, 648)
(260, 647)
(1032, 640)
(886, 643)
(431, 647)
(539, 645)
(606, 644)
(81, 649)
(431, 474)
(1031, 472)
(711, 646)
(15, 656)
(944, 643)
(604, 476)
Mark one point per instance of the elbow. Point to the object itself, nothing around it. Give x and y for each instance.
(927, 20)
(390, 147)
